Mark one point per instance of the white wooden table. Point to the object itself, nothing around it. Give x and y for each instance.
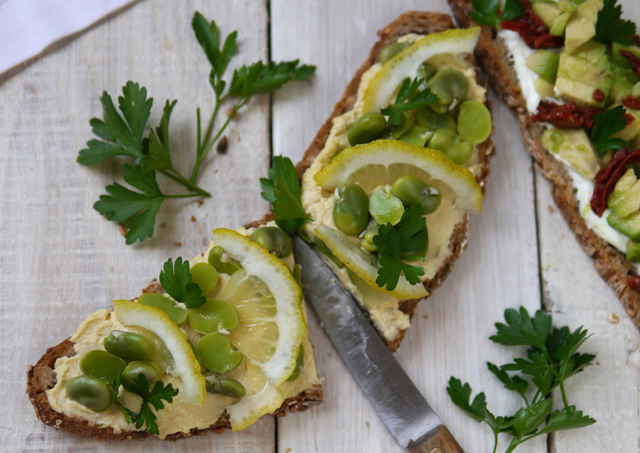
(59, 260)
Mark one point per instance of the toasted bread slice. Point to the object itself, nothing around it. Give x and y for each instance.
(42, 377)
(422, 23)
(608, 261)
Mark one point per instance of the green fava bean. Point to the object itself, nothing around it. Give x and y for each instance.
(411, 190)
(397, 131)
(390, 51)
(442, 139)
(90, 392)
(130, 376)
(416, 135)
(103, 365)
(367, 242)
(129, 345)
(214, 316)
(226, 386)
(474, 122)
(450, 86)
(274, 240)
(219, 259)
(426, 71)
(385, 208)
(216, 353)
(205, 276)
(433, 121)
(460, 151)
(351, 209)
(172, 309)
(368, 127)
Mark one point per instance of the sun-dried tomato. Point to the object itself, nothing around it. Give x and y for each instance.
(608, 176)
(532, 29)
(566, 116)
(634, 283)
(631, 102)
(598, 95)
(635, 61)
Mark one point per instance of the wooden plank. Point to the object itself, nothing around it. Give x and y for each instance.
(59, 259)
(498, 270)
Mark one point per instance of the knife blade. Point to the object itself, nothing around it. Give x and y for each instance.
(403, 410)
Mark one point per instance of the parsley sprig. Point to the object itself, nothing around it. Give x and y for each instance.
(486, 11)
(611, 28)
(155, 397)
(409, 97)
(282, 190)
(605, 125)
(551, 359)
(124, 133)
(406, 241)
(175, 278)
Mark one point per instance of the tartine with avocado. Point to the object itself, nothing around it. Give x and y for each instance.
(392, 176)
(219, 341)
(570, 71)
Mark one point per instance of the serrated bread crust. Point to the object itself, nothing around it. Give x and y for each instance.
(411, 22)
(608, 261)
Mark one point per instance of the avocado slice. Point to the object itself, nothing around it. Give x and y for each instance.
(621, 60)
(582, 24)
(633, 251)
(631, 130)
(625, 198)
(545, 64)
(629, 226)
(544, 88)
(547, 11)
(574, 146)
(623, 82)
(581, 73)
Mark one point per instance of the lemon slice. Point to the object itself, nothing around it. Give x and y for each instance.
(359, 262)
(159, 323)
(385, 83)
(268, 300)
(383, 161)
(250, 408)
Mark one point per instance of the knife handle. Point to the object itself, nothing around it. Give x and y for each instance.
(439, 440)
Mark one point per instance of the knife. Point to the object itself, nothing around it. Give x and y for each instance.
(399, 404)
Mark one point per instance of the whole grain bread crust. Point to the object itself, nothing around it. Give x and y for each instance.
(410, 22)
(42, 377)
(608, 261)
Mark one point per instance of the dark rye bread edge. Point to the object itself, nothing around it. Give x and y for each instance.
(42, 377)
(409, 22)
(608, 261)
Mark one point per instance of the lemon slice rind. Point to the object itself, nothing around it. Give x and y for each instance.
(387, 153)
(250, 408)
(277, 277)
(159, 323)
(384, 84)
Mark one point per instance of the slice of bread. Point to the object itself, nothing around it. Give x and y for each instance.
(411, 22)
(608, 261)
(42, 377)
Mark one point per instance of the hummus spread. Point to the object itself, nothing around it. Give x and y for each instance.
(384, 309)
(177, 416)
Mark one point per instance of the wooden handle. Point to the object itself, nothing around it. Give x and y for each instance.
(438, 440)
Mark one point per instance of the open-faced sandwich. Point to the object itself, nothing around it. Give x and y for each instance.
(219, 341)
(391, 177)
(570, 71)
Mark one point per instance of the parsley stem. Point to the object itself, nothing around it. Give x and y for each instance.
(177, 177)
(184, 195)
(564, 395)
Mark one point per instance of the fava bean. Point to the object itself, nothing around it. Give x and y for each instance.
(216, 353)
(411, 190)
(442, 139)
(416, 135)
(102, 364)
(451, 87)
(368, 127)
(474, 122)
(214, 316)
(460, 150)
(385, 208)
(390, 51)
(274, 240)
(224, 385)
(161, 302)
(130, 376)
(90, 392)
(433, 121)
(205, 276)
(367, 241)
(351, 209)
(219, 259)
(129, 345)
(426, 71)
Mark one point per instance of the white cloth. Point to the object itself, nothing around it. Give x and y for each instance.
(27, 27)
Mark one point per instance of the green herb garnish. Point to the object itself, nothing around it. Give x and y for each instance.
(176, 281)
(124, 133)
(146, 417)
(486, 11)
(406, 241)
(409, 98)
(551, 359)
(605, 124)
(611, 28)
(282, 190)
